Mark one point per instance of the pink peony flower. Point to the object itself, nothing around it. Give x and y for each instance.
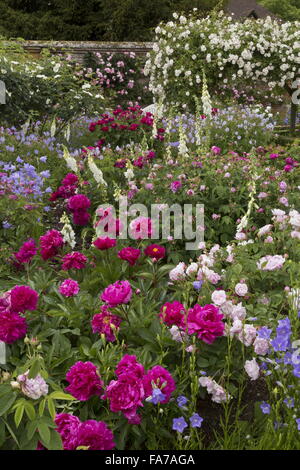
(81, 217)
(141, 227)
(68, 288)
(67, 427)
(159, 377)
(70, 179)
(104, 243)
(206, 322)
(270, 263)
(23, 298)
(12, 327)
(84, 381)
(78, 202)
(129, 364)
(95, 435)
(155, 251)
(173, 314)
(118, 293)
(106, 323)
(50, 243)
(74, 260)
(33, 388)
(175, 186)
(126, 394)
(129, 254)
(216, 150)
(26, 252)
(252, 369)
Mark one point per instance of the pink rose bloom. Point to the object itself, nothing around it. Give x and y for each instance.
(269, 239)
(129, 364)
(106, 323)
(126, 394)
(67, 427)
(104, 243)
(26, 252)
(69, 287)
(206, 322)
(173, 314)
(210, 275)
(284, 201)
(159, 377)
(50, 243)
(175, 186)
(270, 263)
(95, 435)
(84, 381)
(129, 254)
(264, 230)
(78, 202)
(218, 297)
(33, 388)
(12, 327)
(216, 150)
(155, 251)
(261, 346)
(178, 273)
(241, 289)
(282, 186)
(74, 260)
(141, 227)
(247, 334)
(240, 236)
(118, 293)
(252, 369)
(23, 298)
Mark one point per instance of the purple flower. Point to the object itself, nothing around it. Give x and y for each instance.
(290, 402)
(298, 423)
(157, 396)
(265, 408)
(264, 332)
(181, 401)
(196, 420)
(197, 285)
(179, 424)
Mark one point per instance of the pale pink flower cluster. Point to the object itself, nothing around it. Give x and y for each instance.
(235, 312)
(241, 289)
(246, 332)
(218, 297)
(209, 274)
(218, 393)
(261, 346)
(264, 230)
(32, 388)
(270, 263)
(252, 369)
(178, 273)
(294, 219)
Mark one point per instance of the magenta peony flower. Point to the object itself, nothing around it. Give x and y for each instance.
(70, 179)
(129, 364)
(12, 327)
(74, 260)
(78, 202)
(95, 435)
(155, 251)
(216, 150)
(162, 379)
(50, 243)
(104, 243)
(67, 427)
(173, 314)
(106, 323)
(5, 303)
(81, 217)
(118, 293)
(175, 186)
(84, 381)
(126, 394)
(26, 252)
(206, 322)
(129, 254)
(23, 298)
(68, 288)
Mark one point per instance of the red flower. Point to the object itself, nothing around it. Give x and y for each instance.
(206, 322)
(155, 251)
(129, 254)
(104, 243)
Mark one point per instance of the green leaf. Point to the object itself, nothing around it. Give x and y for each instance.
(34, 369)
(30, 411)
(51, 407)
(55, 441)
(6, 401)
(19, 414)
(44, 432)
(42, 407)
(61, 396)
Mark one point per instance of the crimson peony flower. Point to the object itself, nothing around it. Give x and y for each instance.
(106, 323)
(26, 252)
(95, 435)
(126, 394)
(12, 327)
(81, 217)
(129, 254)
(206, 322)
(69, 288)
(173, 314)
(118, 293)
(78, 202)
(155, 251)
(23, 298)
(67, 427)
(84, 381)
(104, 243)
(162, 379)
(129, 364)
(70, 179)
(50, 243)
(74, 260)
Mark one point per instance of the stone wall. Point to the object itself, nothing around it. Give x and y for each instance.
(78, 49)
